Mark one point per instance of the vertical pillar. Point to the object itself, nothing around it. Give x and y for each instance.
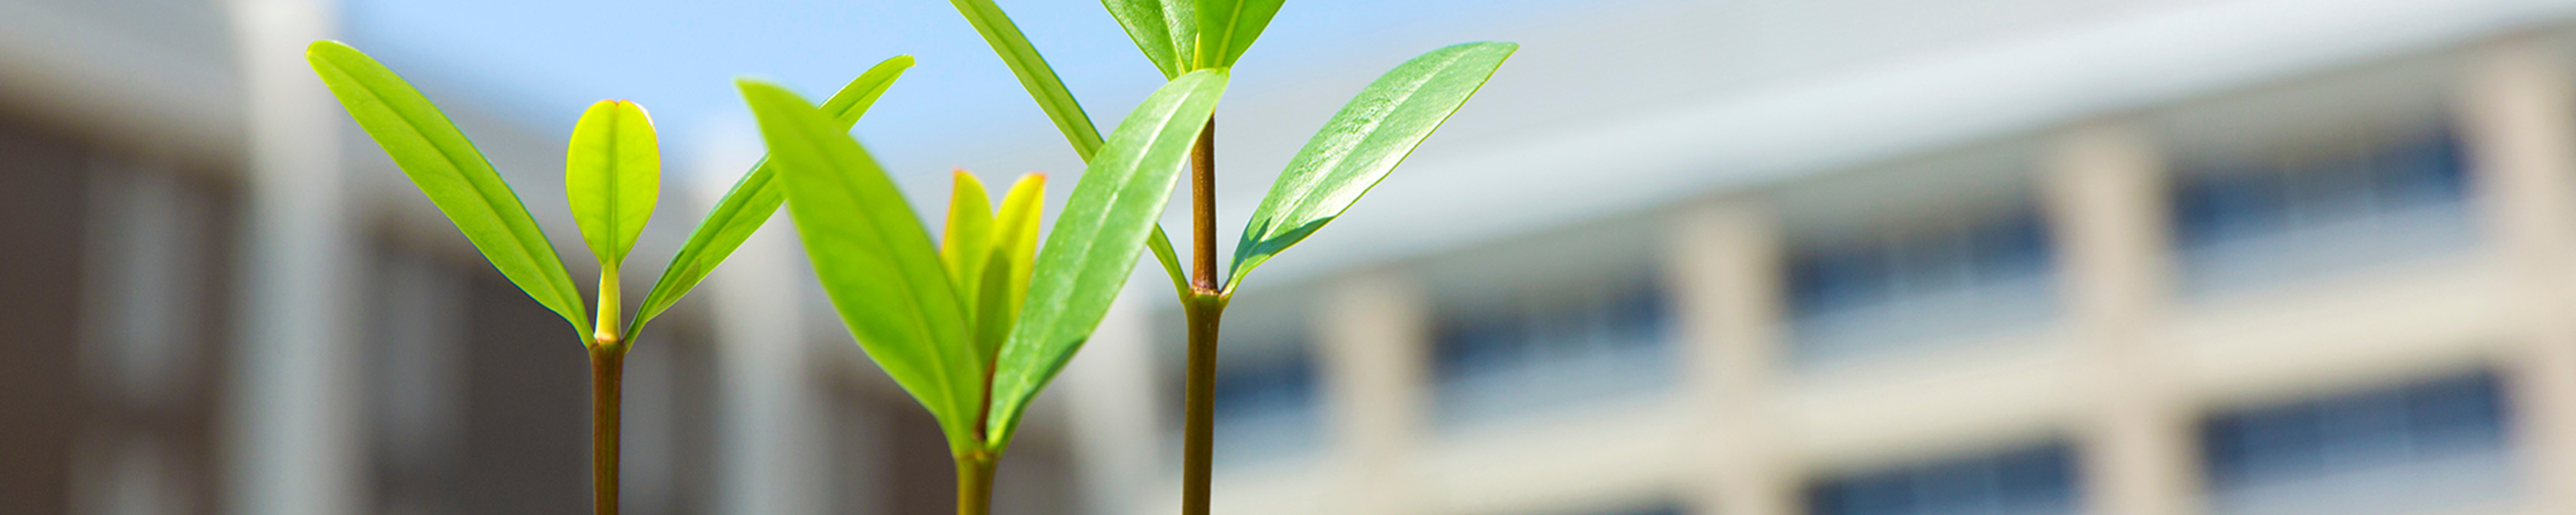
(1726, 269)
(1375, 335)
(1111, 390)
(2104, 190)
(291, 428)
(2514, 113)
(769, 434)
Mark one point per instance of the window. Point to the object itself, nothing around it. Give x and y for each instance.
(2390, 450)
(1553, 348)
(1267, 408)
(1881, 294)
(2033, 481)
(2255, 221)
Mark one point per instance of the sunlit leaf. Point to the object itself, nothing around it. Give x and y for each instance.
(1014, 251)
(968, 241)
(1363, 142)
(1104, 225)
(447, 168)
(1034, 73)
(873, 258)
(1166, 30)
(612, 176)
(1228, 27)
(752, 200)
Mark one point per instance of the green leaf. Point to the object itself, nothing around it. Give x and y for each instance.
(612, 176)
(968, 241)
(874, 259)
(1034, 73)
(1363, 142)
(1014, 249)
(752, 199)
(447, 168)
(1104, 224)
(1166, 30)
(1228, 27)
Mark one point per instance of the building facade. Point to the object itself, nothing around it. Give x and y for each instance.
(2242, 257)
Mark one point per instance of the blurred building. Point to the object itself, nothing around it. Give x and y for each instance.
(2000, 257)
(221, 297)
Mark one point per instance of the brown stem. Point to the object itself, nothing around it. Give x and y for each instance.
(1203, 210)
(1203, 306)
(975, 483)
(607, 368)
(1198, 432)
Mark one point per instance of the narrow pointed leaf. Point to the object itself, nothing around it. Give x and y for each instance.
(873, 258)
(1014, 251)
(1361, 144)
(968, 241)
(612, 176)
(1034, 73)
(1104, 225)
(1165, 30)
(445, 165)
(752, 200)
(1228, 27)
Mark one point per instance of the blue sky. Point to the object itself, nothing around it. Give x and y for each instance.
(542, 61)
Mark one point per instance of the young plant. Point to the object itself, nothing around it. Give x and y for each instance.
(611, 179)
(1355, 149)
(974, 329)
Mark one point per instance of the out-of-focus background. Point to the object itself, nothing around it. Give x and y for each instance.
(1827, 257)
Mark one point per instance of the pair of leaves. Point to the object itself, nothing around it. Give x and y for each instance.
(1184, 35)
(989, 255)
(901, 303)
(611, 176)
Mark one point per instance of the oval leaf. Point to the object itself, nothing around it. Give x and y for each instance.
(752, 199)
(874, 259)
(612, 176)
(1363, 142)
(1166, 30)
(447, 168)
(1104, 225)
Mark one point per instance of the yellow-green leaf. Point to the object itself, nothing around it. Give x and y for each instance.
(968, 242)
(874, 260)
(1014, 250)
(612, 176)
(444, 164)
(752, 199)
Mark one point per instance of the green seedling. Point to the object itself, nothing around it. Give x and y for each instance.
(1355, 150)
(976, 327)
(612, 177)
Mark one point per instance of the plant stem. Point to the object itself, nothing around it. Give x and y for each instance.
(975, 483)
(607, 368)
(1203, 307)
(1203, 210)
(1198, 433)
